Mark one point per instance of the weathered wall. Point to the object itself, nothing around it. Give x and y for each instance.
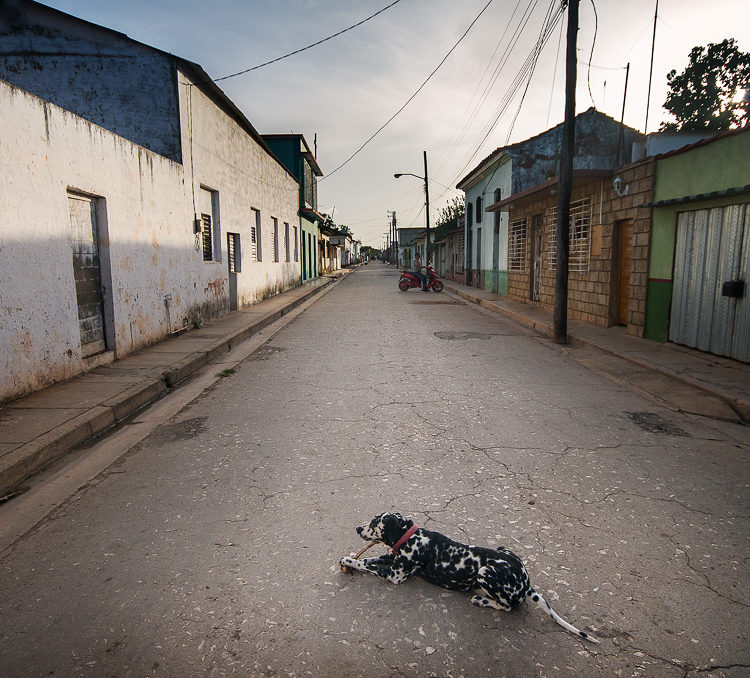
(596, 147)
(146, 239)
(225, 159)
(159, 281)
(99, 74)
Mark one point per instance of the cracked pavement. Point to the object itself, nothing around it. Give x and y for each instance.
(211, 547)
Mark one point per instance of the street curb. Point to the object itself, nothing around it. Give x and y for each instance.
(741, 408)
(30, 458)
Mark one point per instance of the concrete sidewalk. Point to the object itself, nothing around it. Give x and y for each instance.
(693, 381)
(39, 428)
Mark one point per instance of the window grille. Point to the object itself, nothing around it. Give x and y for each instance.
(232, 247)
(478, 215)
(296, 244)
(256, 251)
(275, 239)
(580, 236)
(517, 245)
(207, 237)
(286, 241)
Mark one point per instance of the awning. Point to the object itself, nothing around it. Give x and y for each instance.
(311, 215)
(523, 196)
(713, 195)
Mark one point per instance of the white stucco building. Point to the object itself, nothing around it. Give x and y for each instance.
(143, 200)
(486, 240)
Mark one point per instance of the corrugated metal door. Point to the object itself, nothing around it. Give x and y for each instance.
(712, 248)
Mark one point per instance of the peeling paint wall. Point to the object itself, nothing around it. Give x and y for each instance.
(99, 74)
(145, 240)
(159, 282)
(596, 147)
(224, 158)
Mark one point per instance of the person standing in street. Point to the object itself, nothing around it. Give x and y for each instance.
(418, 271)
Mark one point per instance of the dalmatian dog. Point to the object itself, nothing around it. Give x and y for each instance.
(497, 576)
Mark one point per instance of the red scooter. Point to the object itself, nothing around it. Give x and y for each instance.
(408, 280)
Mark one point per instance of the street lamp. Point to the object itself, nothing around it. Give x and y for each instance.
(426, 203)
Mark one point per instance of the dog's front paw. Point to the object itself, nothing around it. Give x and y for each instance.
(349, 562)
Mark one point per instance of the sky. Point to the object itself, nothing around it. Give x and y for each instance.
(343, 91)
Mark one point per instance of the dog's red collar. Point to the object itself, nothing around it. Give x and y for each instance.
(403, 539)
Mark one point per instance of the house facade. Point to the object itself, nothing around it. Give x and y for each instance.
(608, 245)
(450, 253)
(145, 201)
(600, 143)
(699, 267)
(485, 242)
(294, 152)
(410, 242)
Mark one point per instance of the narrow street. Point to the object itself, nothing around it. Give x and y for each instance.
(211, 548)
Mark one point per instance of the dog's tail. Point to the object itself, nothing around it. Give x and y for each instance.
(544, 605)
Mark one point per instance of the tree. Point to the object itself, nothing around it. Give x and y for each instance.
(449, 216)
(704, 95)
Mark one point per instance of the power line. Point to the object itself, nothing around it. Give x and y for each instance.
(547, 26)
(547, 31)
(315, 44)
(509, 50)
(408, 101)
(591, 56)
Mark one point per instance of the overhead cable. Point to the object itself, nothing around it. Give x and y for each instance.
(315, 44)
(408, 101)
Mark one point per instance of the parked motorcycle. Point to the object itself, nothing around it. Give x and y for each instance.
(409, 280)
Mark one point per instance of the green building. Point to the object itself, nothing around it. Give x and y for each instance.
(295, 154)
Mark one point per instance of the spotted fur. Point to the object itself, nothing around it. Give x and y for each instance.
(497, 576)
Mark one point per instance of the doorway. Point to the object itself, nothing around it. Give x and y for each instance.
(624, 235)
(84, 226)
(710, 304)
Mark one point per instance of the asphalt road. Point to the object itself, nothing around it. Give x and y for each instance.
(210, 547)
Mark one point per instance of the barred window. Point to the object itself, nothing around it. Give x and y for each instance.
(517, 245)
(580, 236)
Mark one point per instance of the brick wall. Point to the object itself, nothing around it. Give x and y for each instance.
(592, 295)
(639, 180)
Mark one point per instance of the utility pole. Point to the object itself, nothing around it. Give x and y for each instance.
(565, 184)
(651, 69)
(427, 210)
(395, 238)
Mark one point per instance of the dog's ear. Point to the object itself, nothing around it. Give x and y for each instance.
(394, 527)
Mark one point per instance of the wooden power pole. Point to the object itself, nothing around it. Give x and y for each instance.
(565, 184)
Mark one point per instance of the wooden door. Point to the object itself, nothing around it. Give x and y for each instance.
(624, 230)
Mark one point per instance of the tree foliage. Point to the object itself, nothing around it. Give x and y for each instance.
(703, 96)
(449, 215)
